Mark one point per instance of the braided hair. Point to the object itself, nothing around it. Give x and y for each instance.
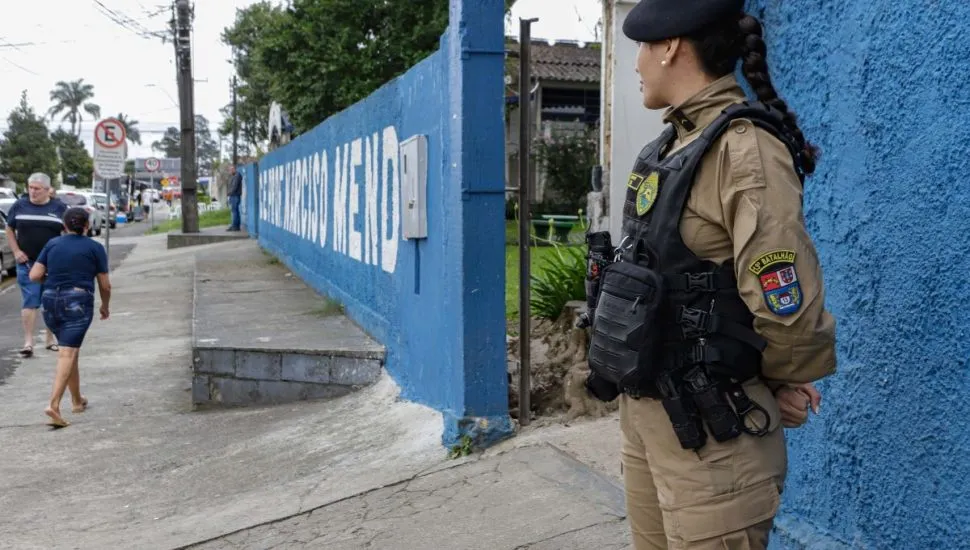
(720, 45)
(75, 219)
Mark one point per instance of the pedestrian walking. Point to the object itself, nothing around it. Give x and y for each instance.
(711, 325)
(71, 264)
(32, 221)
(235, 196)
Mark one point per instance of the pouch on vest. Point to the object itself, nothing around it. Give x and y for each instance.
(624, 336)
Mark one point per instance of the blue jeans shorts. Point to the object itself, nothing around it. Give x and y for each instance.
(29, 290)
(68, 313)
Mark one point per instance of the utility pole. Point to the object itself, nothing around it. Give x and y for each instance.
(235, 126)
(183, 59)
(525, 215)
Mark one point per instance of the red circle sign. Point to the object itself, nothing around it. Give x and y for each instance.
(110, 133)
(152, 164)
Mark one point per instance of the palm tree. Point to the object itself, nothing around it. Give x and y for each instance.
(71, 98)
(131, 129)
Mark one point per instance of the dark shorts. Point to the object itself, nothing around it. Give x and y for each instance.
(68, 313)
(29, 290)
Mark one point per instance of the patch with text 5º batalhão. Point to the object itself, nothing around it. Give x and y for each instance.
(779, 281)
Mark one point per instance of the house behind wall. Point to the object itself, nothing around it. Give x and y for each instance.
(566, 78)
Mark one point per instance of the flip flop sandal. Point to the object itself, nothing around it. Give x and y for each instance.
(56, 423)
(83, 407)
(53, 347)
(27, 351)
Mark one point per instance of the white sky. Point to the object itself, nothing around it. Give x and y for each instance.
(44, 41)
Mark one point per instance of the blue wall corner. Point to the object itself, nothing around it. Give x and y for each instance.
(882, 89)
(329, 205)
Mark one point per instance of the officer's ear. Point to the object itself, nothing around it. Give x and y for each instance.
(671, 49)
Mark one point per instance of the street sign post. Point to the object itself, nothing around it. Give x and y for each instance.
(152, 165)
(110, 152)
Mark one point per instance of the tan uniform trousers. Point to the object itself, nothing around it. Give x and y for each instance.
(723, 496)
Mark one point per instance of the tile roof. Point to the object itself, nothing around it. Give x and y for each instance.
(563, 61)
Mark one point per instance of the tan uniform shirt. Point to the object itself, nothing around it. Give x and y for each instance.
(747, 202)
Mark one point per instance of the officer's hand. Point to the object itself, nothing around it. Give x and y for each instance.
(794, 403)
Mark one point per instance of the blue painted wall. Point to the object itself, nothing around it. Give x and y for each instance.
(882, 87)
(249, 205)
(329, 205)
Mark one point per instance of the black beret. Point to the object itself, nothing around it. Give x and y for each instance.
(653, 20)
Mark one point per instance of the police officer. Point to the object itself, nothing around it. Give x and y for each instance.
(715, 207)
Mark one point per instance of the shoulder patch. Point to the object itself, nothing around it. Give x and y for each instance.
(779, 281)
(647, 193)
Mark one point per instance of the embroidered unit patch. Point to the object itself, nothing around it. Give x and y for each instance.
(647, 193)
(633, 182)
(779, 281)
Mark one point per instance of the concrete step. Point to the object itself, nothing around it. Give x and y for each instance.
(261, 336)
(208, 235)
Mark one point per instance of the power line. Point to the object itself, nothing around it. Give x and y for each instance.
(126, 22)
(22, 68)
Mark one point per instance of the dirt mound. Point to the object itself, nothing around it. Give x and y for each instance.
(559, 368)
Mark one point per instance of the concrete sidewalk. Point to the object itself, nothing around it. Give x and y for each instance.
(140, 470)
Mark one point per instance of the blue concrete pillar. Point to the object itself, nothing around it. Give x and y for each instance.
(476, 75)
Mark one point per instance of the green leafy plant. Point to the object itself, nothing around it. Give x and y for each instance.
(560, 280)
(567, 159)
(464, 447)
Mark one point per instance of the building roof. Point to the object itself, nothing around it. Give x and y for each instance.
(563, 61)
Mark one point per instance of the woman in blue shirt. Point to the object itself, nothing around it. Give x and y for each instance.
(71, 264)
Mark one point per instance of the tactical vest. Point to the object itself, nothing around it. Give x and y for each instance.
(702, 318)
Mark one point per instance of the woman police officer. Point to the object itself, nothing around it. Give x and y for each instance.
(713, 206)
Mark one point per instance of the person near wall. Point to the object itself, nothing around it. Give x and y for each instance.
(71, 264)
(235, 196)
(710, 325)
(32, 221)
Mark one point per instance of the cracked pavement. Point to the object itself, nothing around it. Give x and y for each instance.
(139, 469)
(535, 498)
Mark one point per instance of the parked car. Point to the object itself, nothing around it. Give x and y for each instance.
(77, 198)
(8, 265)
(5, 205)
(107, 211)
(7, 193)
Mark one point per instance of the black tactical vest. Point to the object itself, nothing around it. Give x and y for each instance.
(702, 318)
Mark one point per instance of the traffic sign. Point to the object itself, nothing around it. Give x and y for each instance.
(152, 164)
(110, 148)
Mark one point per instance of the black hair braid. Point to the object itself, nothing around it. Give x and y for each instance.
(754, 66)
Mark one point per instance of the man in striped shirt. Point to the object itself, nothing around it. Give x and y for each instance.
(31, 222)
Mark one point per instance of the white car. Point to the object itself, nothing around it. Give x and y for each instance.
(83, 199)
(7, 193)
(8, 265)
(5, 205)
(108, 212)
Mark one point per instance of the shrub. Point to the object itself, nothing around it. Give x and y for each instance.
(567, 159)
(560, 279)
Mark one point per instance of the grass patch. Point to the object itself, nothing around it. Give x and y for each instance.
(536, 256)
(211, 218)
(328, 309)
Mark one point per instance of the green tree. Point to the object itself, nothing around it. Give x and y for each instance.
(26, 146)
(71, 98)
(366, 43)
(252, 28)
(131, 129)
(206, 147)
(347, 49)
(76, 164)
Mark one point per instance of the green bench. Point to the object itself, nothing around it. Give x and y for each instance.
(560, 224)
